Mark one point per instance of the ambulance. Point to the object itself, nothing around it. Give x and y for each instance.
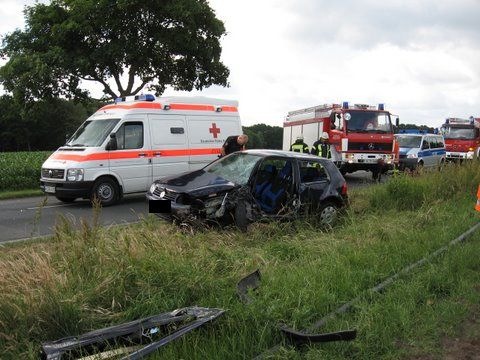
(124, 146)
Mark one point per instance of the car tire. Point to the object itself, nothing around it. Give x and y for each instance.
(328, 213)
(65, 199)
(105, 190)
(240, 216)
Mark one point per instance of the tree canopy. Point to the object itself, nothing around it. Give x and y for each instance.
(139, 44)
(262, 136)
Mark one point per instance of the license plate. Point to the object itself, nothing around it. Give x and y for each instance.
(50, 189)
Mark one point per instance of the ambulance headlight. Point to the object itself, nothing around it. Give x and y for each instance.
(75, 174)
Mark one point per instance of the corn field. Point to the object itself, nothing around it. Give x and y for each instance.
(21, 170)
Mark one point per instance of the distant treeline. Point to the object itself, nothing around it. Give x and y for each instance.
(45, 124)
(40, 125)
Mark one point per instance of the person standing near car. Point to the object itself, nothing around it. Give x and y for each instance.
(299, 145)
(234, 143)
(321, 147)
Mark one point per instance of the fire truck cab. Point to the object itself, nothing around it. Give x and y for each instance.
(361, 136)
(462, 138)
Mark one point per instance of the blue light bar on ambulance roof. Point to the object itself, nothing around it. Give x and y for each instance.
(119, 99)
(145, 97)
(345, 105)
(381, 107)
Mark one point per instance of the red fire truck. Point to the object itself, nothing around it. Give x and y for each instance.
(361, 136)
(462, 138)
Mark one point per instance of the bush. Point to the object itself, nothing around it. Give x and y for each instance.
(21, 170)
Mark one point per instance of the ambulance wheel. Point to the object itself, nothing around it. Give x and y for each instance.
(105, 190)
(65, 199)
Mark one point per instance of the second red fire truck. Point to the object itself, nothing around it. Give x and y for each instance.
(361, 136)
(462, 138)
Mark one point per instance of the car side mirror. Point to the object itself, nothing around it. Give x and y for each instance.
(112, 143)
(397, 122)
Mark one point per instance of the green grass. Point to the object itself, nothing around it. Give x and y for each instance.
(21, 170)
(79, 281)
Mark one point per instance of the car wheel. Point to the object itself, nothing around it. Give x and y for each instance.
(65, 199)
(240, 215)
(105, 190)
(328, 214)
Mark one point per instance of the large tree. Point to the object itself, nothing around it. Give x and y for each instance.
(137, 43)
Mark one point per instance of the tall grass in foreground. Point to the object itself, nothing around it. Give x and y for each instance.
(21, 170)
(95, 277)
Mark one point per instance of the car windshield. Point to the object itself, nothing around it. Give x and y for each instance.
(451, 132)
(369, 122)
(409, 141)
(92, 132)
(235, 168)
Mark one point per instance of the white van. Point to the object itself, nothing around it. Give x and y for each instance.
(123, 147)
(420, 150)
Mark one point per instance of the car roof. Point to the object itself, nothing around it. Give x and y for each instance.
(288, 154)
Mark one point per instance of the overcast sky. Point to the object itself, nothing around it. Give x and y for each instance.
(421, 58)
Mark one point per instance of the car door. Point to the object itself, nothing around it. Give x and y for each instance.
(425, 154)
(314, 181)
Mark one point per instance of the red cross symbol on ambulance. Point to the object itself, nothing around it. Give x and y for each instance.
(214, 130)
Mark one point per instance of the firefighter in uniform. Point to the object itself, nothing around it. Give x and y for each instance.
(299, 145)
(321, 147)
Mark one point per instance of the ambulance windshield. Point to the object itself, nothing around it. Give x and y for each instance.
(92, 132)
(369, 121)
(451, 132)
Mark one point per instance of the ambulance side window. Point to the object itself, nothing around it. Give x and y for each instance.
(130, 136)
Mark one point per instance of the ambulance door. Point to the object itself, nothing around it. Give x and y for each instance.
(207, 135)
(130, 161)
(170, 151)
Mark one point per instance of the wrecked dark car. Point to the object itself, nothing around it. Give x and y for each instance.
(250, 186)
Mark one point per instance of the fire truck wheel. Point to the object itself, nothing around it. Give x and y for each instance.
(105, 190)
(65, 199)
(328, 213)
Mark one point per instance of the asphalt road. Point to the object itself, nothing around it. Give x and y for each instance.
(31, 217)
(36, 216)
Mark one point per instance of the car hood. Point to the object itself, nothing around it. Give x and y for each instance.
(197, 183)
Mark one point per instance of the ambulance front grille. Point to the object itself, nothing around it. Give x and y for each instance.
(53, 173)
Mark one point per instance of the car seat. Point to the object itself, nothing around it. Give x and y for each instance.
(264, 177)
(275, 192)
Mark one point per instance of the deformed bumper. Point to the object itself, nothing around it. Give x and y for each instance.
(168, 208)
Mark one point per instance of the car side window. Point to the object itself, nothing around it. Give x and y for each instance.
(440, 142)
(425, 144)
(312, 171)
(130, 136)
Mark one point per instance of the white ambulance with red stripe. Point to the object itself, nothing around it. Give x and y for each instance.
(123, 147)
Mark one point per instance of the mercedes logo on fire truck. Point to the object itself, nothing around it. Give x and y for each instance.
(371, 146)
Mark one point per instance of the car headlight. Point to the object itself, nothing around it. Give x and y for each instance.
(153, 188)
(75, 174)
(470, 155)
(412, 156)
